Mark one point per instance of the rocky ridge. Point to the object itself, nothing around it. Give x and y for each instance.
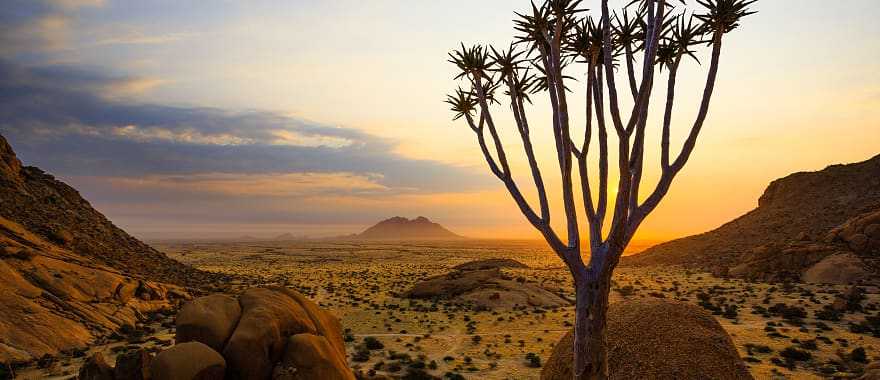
(800, 221)
(57, 213)
(68, 276)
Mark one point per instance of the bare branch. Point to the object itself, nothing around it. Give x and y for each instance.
(670, 172)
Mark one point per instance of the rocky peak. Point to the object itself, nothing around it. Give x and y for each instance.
(10, 166)
(54, 211)
(399, 227)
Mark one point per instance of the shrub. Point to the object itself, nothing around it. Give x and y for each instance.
(372, 343)
(794, 354)
(791, 314)
(417, 374)
(394, 367)
(859, 355)
(626, 291)
(533, 360)
(752, 348)
(828, 314)
(361, 355)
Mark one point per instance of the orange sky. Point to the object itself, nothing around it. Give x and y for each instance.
(274, 123)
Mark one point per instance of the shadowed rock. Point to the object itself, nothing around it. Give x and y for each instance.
(839, 269)
(310, 356)
(210, 320)
(833, 210)
(269, 316)
(133, 365)
(658, 339)
(67, 299)
(188, 361)
(489, 288)
(96, 368)
(490, 264)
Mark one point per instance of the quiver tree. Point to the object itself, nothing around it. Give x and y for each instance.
(649, 36)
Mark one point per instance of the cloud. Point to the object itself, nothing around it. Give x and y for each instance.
(59, 118)
(37, 26)
(75, 4)
(277, 185)
(140, 38)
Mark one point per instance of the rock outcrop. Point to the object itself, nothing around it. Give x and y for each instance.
(134, 365)
(210, 320)
(96, 368)
(276, 333)
(399, 228)
(842, 268)
(309, 356)
(490, 264)
(53, 300)
(188, 361)
(801, 220)
(659, 339)
(486, 288)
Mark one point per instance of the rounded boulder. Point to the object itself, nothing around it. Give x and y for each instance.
(658, 339)
(310, 356)
(188, 361)
(209, 320)
(268, 317)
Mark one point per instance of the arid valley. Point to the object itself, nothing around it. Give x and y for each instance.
(363, 283)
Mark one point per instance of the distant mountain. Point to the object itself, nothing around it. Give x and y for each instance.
(400, 228)
(800, 220)
(288, 237)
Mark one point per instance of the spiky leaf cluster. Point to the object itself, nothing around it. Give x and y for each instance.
(524, 65)
(723, 16)
(462, 102)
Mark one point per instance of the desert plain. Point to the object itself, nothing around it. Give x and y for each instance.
(364, 284)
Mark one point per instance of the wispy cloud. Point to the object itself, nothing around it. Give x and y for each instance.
(37, 26)
(58, 118)
(278, 185)
(140, 38)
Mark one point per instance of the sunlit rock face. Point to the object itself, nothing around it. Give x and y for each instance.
(801, 220)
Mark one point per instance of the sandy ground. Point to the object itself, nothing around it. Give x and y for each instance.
(359, 282)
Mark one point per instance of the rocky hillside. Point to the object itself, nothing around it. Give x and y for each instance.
(792, 229)
(399, 228)
(57, 213)
(53, 300)
(68, 276)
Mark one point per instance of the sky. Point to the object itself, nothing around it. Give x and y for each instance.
(182, 119)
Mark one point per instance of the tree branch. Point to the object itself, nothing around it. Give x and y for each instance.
(519, 116)
(670, 172)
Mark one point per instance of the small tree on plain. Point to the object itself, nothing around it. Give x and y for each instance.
(649, 36)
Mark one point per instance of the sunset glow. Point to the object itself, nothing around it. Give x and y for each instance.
(320, 118)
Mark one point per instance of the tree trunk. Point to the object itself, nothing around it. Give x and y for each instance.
(590, 358)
